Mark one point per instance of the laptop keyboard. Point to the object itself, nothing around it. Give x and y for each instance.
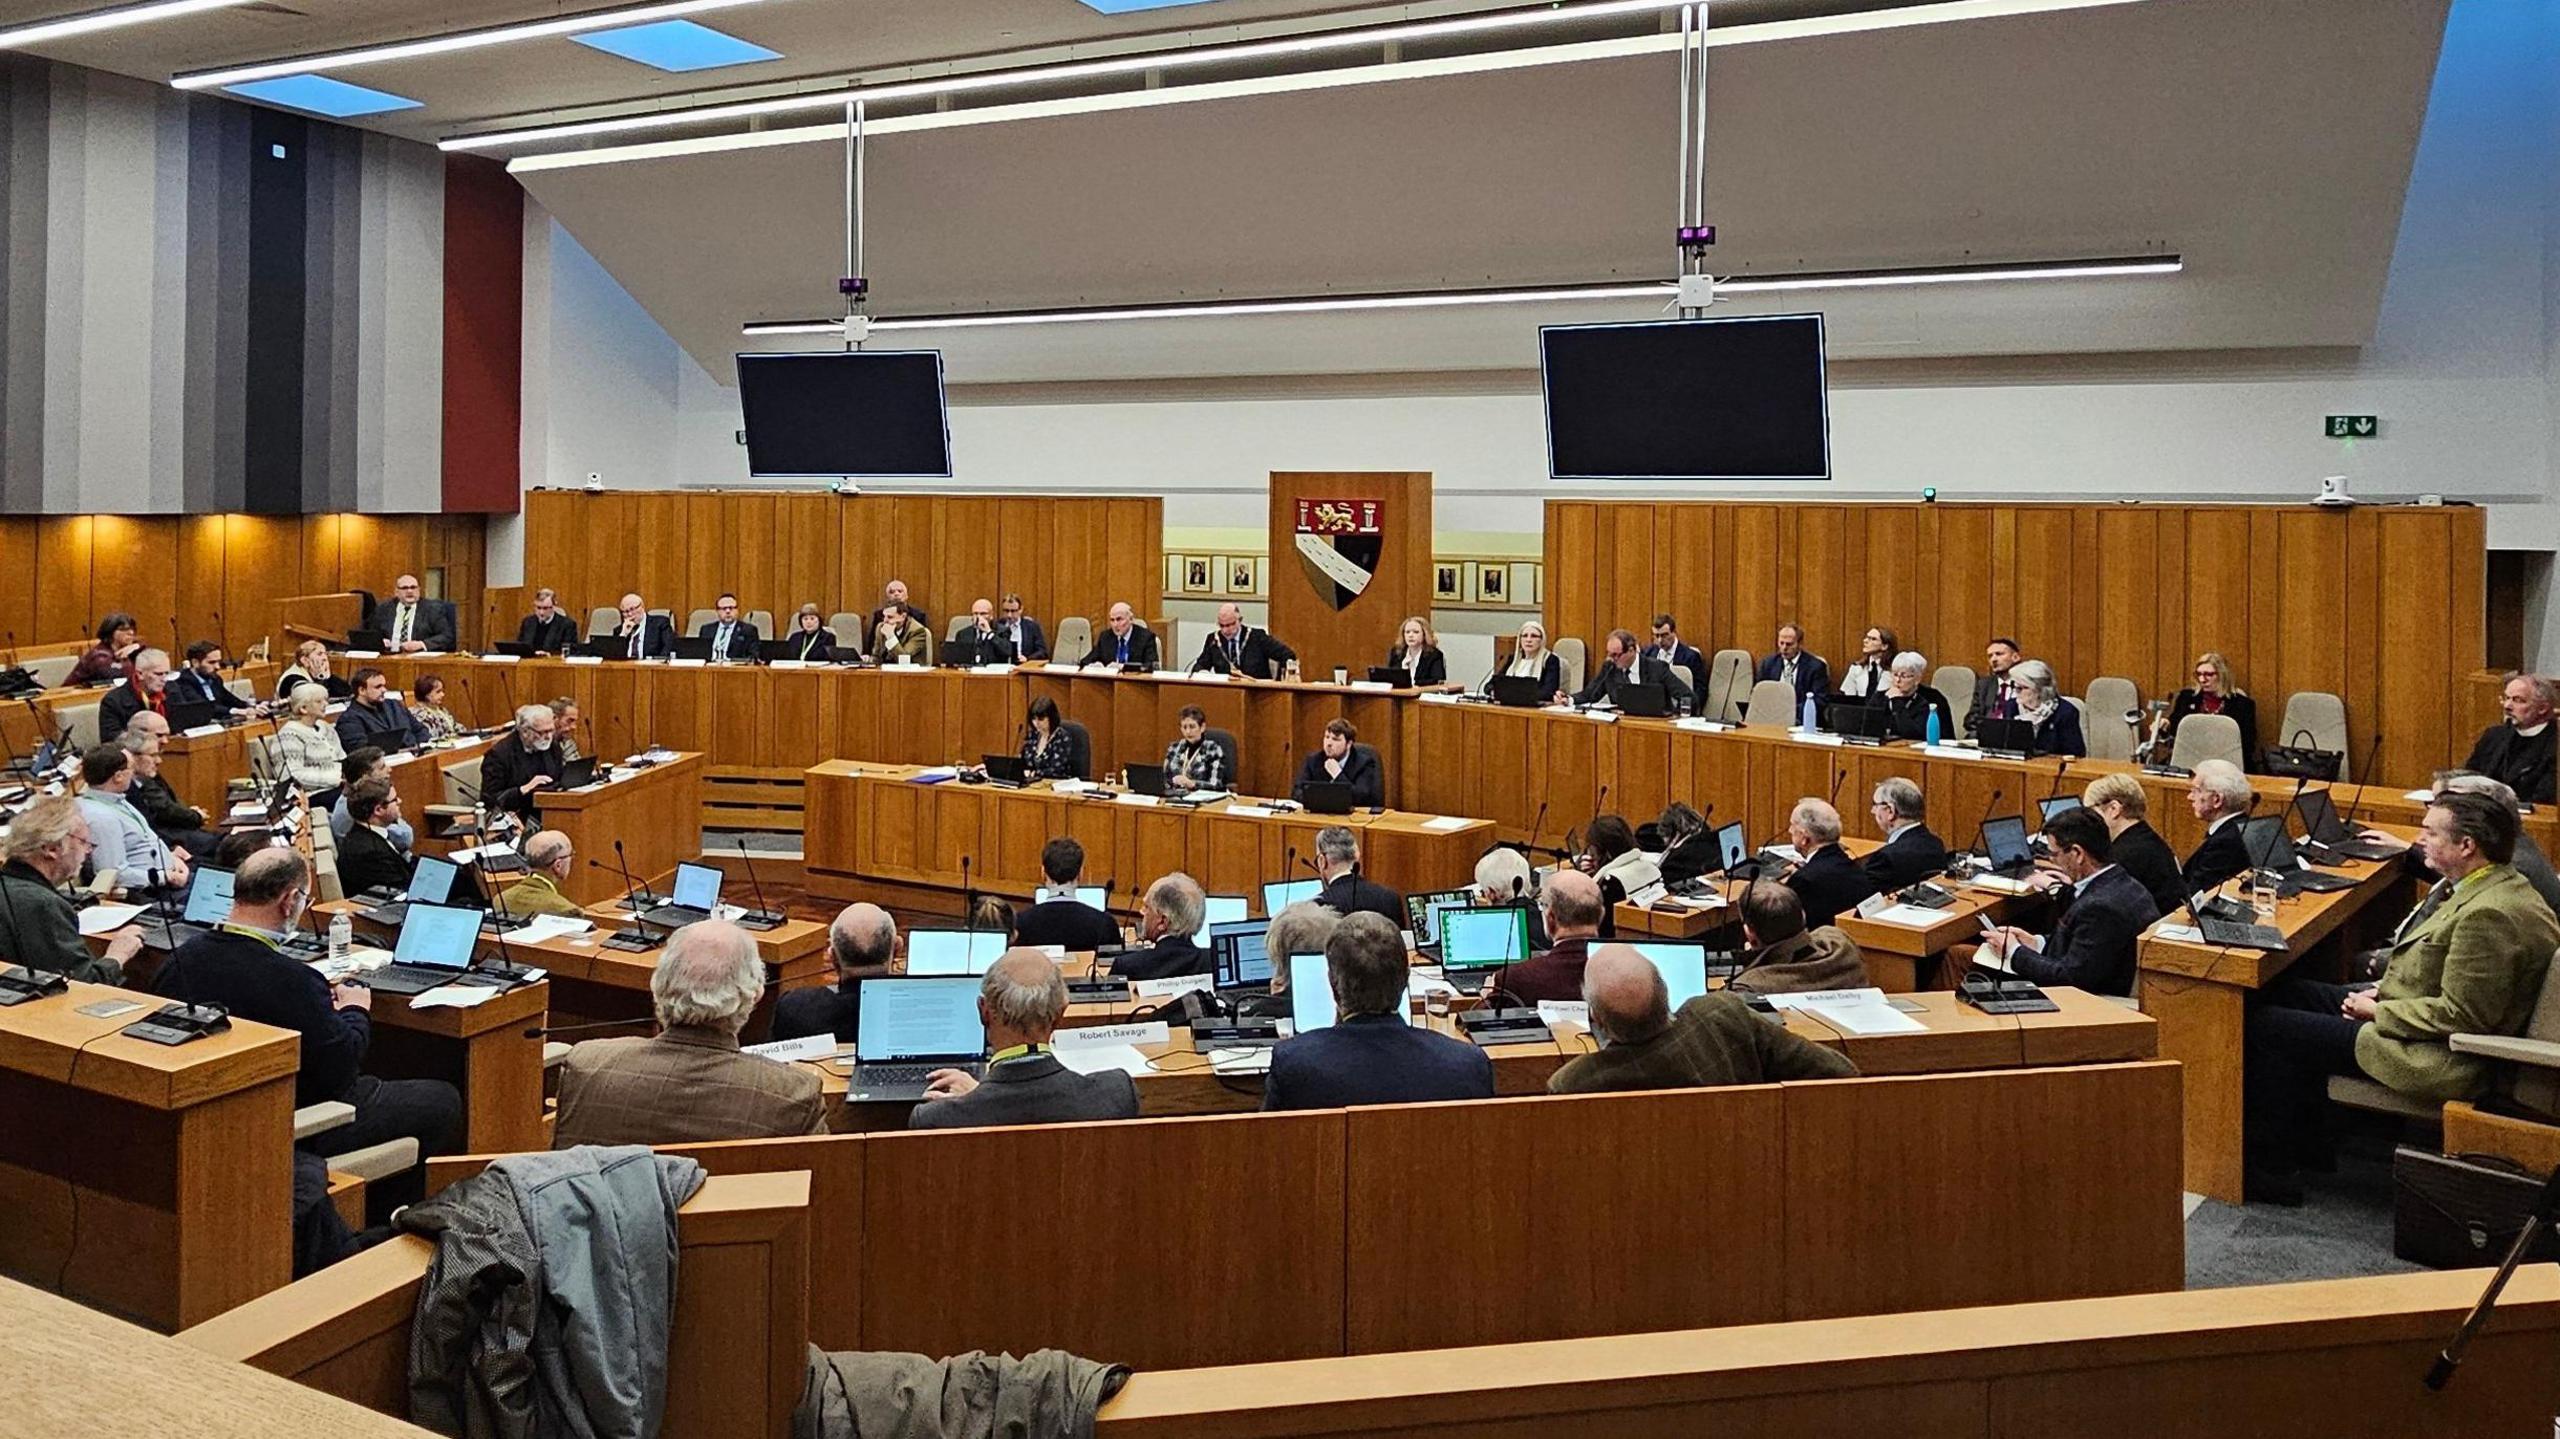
(414, 974)
(883, 1075)
(2244, 935)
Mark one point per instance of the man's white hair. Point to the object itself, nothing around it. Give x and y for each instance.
(710, 976)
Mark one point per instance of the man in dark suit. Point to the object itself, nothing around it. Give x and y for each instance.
(409, 624)
(1669, 648)
(2518, 750)
(201, 682)
(1343, 760)
(522, 765)
(1624, 667)
(377, 717)
(1168, 917)
(1024, 640)
(1371, 1055)
(146, 688)
(731, 638)
(1346, 890)
(2221, 798)
(2106, 911)
(1235, 647)
(895, 593)
(640, 635)
(1715, 1039)
(1910, 853)
(1058, 917)
(1123, 641)
(862, 941)
(981, 641)
(1800, 668)
(2139, 850)
(1571, 903)
(547, 629)
(1992, 697)
(1827, 880)
(1021, 1001)
(367, 860)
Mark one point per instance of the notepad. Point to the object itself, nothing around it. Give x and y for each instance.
(552, 926)
(1447, 823)
(1911, 915)
(1807, 736)
(100, 919)
(1101, 1058)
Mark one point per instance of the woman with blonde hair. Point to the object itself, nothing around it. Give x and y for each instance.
(1532, 659)
(1417, 653)
(2217, 691)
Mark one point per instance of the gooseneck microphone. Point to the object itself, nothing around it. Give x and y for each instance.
(761, 917)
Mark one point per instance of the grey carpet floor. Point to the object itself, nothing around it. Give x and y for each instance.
(2342, 1230)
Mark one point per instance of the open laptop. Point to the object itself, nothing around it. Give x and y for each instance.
(185, 715)
(1311, 1005)
(365, 640)
(430, 882)
(2046, 809)
(695, 896)
(1390, 675)
(434, 948)
(1280, 894)
(1220, 909)
(208, 904)
(1733, 852)
(577, 773)
(1477, 941)
(1683, 968)
(910, 1027)
(1520, 692)
(1642, 701)
(2332, 837)
(944, 953)
(1422, 913)
(2015, 738)
(2270, 846)
(1007, 770)
(1146, 779)
(511, 647)
(1327, 796)
(1851, 720)
(1240, 963)
(689, 647)
(2004, 844)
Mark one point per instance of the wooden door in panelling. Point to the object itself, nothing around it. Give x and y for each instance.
(196, 552)
(1026, 563)
(2412, 700)
(1077, 583)
(2121, 593)
(804, 543)
(1959, 616)
(966, 555)
(66, 602)
(1135, 552)
(661, 561)
(1885, 580)
(2310, 582)
(1690, 532)
(710, 537)
(19, 581)
(2043, 588)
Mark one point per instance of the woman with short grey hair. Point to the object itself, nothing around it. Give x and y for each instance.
(306, 743)
(1908, 701)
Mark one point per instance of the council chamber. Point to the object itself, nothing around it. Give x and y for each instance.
(1040, 718)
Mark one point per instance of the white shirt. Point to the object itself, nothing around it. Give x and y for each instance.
(2080, 887)
(2536, 730)
(1864, 678)
(2219, 823)
(407, 620)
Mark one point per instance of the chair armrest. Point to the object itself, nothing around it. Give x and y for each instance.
(2540, 1053)
(320, 1118)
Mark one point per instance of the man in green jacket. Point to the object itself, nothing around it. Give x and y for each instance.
(38, 927)
(2468, 960)
(1714, 1039)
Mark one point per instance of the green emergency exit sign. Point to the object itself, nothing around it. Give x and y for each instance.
(2353, 427)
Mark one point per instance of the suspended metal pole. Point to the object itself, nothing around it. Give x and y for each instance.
(852, 285)
(1694, 235)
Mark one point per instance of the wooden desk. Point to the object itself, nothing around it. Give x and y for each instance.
(656, 814)
(2200, 995)
(871, 826)
(151, 1181)
(1276, 723)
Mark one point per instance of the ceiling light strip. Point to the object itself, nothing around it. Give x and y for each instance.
(448, 44)
(67, 26)
(1946, 12)
(2154, 265)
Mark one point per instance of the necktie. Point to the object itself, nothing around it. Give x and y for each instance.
(1124, 649)
(720, 644)
(635, 641)
(400, 631)
(2434, 900)
(1235, 654)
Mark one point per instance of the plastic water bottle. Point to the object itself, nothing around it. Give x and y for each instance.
(1812, 720)
(1933, 724)
(342, 936)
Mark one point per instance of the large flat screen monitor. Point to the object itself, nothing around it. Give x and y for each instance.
(1738, 399)
(857, 413)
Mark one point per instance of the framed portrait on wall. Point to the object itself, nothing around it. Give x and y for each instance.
(1195, 575)
(1244, 575)
(1493, 583)
(1448, 582)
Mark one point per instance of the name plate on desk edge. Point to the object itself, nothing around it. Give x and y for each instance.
(1373, 685)
(1949, 751)
(1439, 697)
(1250, 811)
(1807, 736)
(1094, 1036)
(501, 659)
(685, 664)
(1125, 797)
(786, 1051)
(202, 731)
(1601, 716)
(1168, 988)
(582, 659)
(1703, 726)
(1552, 1012)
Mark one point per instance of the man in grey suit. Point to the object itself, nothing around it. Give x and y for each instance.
(1021, 1002)
(409, 623)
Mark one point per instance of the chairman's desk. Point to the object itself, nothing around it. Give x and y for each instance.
(151, 1181)
(875, 832)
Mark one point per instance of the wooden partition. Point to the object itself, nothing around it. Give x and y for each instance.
(2381, 606)
(736, 1350)
(59, 573)
(1397, 551)
(1249, 1238)
(1066, 555)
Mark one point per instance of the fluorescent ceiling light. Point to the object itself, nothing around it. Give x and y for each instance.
(1945, 12)
(67, 26)
(677, 45)
(1131, 7)
(320, 95)
(448, 44)
(1445, 299)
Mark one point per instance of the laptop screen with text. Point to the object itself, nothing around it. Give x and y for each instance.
(1221, 909)
(209, 897)
(697, 887)
(1281, 894)
(437, 936)
(918, 1019)
(1483, 938)
(432, 881)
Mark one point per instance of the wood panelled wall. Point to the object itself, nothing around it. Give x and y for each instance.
(59, 573)
(1066, 555)
(2383, 607)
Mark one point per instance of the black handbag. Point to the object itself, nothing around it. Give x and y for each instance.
(2461, 1211)
(2302, 761)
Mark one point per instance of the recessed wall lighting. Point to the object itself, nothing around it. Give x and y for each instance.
(677, 45)
(320, 95)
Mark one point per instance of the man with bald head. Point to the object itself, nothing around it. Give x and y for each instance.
(1123, 641)
(1021, 1001)
(689, 1083)
(863, 940)
(1572, 904)
(1237, 648)
(1827, 880)
(409, 623)
(1714, 1039)
(895, 593)
(638, 634)
(549, 857)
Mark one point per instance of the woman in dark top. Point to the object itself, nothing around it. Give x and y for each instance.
(1047, 752)
(2217, 692)
(1688, 850)
(1532, 657)
(118, 638)
(2138, 849)
(1909, 703)
(811, 640)
(2041, 704)
(1417, 653)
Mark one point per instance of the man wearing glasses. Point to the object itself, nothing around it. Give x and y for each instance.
(38, 927)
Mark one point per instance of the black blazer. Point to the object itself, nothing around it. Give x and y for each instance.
(1550, 676)
(190, 686)
(1986, 695)
(1106, 647)
(2224, 853)
(1906, 861)
(1260, 653)
(2093, 947)
(505, 768)
(1168, 958)
(1691, 858)
(2060, 732)
(2242, 710)
(1357, 894)
(657, 639)
(1649, 673)
(1813, 677)
(2521, 764)
(2142, 853)
(1829, 883)
(1360, 770)
(835, 1009)
(434, 626)
(553, 636)
(743, 638)
(1374, 1059)
(1066, 922)
(1036, 1089)
(818, 644)
(1432, 668)
(367, 861)
(1909, 714)
(116, 709)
